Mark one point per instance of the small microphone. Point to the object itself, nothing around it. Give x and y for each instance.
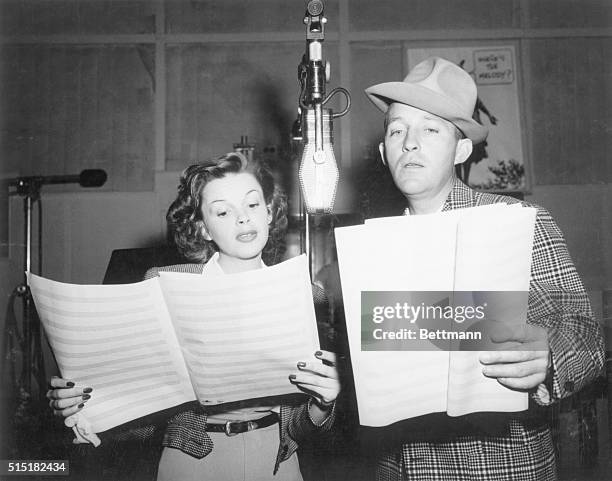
(87, 178)
(92, 178)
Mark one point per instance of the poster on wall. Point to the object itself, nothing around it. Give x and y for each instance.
(498, 163)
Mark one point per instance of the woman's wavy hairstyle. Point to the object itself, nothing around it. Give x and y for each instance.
(184, 217)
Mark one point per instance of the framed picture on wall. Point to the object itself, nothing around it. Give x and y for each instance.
(498, 163)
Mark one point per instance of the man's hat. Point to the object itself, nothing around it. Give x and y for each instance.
(439, 87)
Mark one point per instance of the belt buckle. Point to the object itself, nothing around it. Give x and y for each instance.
(227, 429)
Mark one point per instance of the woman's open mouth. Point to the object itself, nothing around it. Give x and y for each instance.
(247, 236)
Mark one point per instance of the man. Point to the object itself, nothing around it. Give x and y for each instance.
(428, 130)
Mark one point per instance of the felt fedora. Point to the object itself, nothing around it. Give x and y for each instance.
(439, 87)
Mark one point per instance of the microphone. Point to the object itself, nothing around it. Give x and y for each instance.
(318, 171)
(87, 178)
(92, 178)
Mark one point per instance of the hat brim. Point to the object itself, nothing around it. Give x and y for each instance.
(382, 95)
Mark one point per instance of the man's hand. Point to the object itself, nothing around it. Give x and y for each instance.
(525, 363)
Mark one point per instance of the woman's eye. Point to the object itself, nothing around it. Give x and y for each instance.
(222, 213)
(252, 205)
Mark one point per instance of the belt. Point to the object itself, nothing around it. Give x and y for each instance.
(231, 428)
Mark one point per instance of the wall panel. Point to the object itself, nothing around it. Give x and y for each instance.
(72, 17)
(241, 16)
(218, 93)
(570, 94)
(68, 108)
(367, 15)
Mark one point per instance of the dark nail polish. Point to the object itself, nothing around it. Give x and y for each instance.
(87, 390)
(69, 384)
(318, 353)
(292, 377)
(81, 405)
(301, 364)
(86, 397)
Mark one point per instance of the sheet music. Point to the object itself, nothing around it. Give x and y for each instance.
(417, 253)
(117, 339)
(389, 385)
(242, 334)
(493, 254)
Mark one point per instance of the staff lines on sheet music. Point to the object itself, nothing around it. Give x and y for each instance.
(120, 360)
(280, 333)
(268, 375)
(216, 299)
(85, 342)
(81, 355)
(238, 349)
(249, 291)
(110, 394)
(284, 313)
(115, 313)
(247, 355)
(136, 404)
(221, 366)
(129, 380)
(277, 311)
(84, 376)
(239, 325)
(107, 326)
(249, 387)
(81, 295)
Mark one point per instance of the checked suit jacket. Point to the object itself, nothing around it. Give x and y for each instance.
(524, 451)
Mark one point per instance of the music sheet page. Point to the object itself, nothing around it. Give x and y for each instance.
(117, 339)
(242, 334)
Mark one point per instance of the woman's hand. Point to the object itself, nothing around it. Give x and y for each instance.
(65, 398)
(319, 379)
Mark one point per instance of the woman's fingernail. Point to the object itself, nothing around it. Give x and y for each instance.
(86, 397)
(301, 364)
(69, 384)
(87, 390)
(81, 405)
(292, 377)
(318, 353)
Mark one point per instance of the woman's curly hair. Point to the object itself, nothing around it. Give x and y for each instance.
(184, 217)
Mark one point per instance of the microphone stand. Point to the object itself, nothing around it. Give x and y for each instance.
(313, 74)
(28, 342)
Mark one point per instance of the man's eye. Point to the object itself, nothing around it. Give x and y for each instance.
(431, 130)
(393, 132)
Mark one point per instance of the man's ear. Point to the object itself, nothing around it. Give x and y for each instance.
(381, 149)
(463, 151)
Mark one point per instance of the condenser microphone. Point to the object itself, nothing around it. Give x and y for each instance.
(318, 172)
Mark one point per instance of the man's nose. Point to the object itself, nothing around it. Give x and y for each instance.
(411, 142)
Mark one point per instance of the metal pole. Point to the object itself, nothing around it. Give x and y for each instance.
(27, 307)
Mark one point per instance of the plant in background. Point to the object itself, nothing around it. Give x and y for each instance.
(509, 175)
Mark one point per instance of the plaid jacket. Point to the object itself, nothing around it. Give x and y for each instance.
(557, 301)
(184, 428)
